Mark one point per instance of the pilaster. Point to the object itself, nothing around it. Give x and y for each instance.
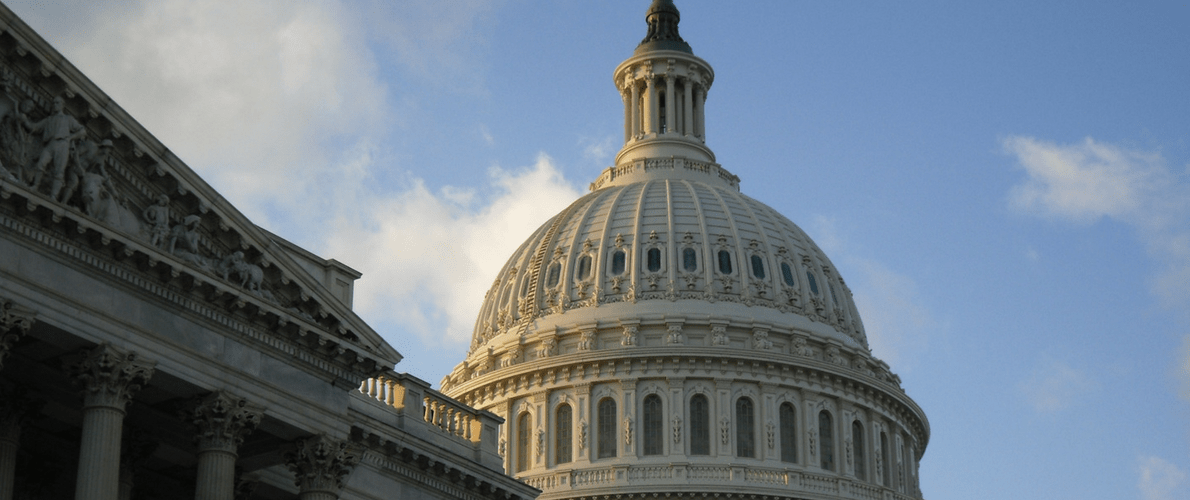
(320, 466)
(15, 411)
(109, 377)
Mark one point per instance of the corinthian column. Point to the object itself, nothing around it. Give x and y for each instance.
(15, 322)
(109, 378)
(223, 421)
(320, 466)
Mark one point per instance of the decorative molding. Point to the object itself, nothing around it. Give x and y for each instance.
(223, 421)
(110, 377)
(321, 464)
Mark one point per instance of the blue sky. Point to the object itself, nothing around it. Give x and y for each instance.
(1004, 185)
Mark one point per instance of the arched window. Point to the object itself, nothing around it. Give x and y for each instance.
(562, 425)
(700, 425)
(813, 282)
(552, 277)
(689, 260)
(525, 287)
(757, 267)
(618, 263)
(584, 267)
(653, 428)
(522, 442)
(745, 428)
(788, 416)
(857, 446)
(654, 259)
(725, 262)
(884, 454)
(826, 440)
(787, 274)
(606, 425)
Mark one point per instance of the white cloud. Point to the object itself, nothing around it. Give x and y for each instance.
(1160, 480)
(430, 257)
(1055, 386)
(1088, 181)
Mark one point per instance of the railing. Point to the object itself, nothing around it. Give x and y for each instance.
(649, 165)
(415, 402)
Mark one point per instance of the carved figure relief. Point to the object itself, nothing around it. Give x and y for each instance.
(548, 346)
(719, 335)
(800, 348)
(629, 336)
(58, 133)
(833, 356)
(586, 340)
(675, 337)
(183, 242)
(157, 216)
(760, 340)
(250, 275)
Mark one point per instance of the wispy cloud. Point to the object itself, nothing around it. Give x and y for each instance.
(430, 257)
(898, 324)
(1088, 181)
(1054, 386)
(1160, 480)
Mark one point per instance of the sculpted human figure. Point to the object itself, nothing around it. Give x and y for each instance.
(157, 215)
(98, 193)
(183, 241)
(58, 132)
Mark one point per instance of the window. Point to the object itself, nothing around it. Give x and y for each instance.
(757, 267)
(562, 425)
(552, 277)
(826, 438)
(700, 425)
(857, 445)
(584, 267)
(653, 428)
(522, 442)
(834, 294)
(813, 282)
(661, 116)
(689, 260)
(787, 274)
(884, 453)
(525, 287)
(745, 432)
(654, 259)
(606, 425)
(618, 263)
(788, 416)
(725, 262)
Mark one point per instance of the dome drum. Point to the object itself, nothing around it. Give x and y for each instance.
(664, 93)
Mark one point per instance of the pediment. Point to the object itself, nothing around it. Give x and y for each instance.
(78, 167)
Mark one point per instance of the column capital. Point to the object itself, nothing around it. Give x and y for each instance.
(15, 322)
(223, 421)
(110, 377)
(321, 464)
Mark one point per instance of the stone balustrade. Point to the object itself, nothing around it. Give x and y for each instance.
(436, 417)
(683, 477)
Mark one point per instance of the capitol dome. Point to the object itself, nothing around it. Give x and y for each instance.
(666, 334)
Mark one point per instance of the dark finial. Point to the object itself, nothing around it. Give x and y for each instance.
(663, 18)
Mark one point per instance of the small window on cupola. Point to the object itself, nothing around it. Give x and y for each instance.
(813, 282)
(654, 259)
(787, 274)
(757, 267)
(725, 262)
(689, 260)
(618, 258)
(551, 279)
(584, 267)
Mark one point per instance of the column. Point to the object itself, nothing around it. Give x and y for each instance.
(671, 119)
(109, 378)
(700, 120)
(15, 411)
(223, 421)
(15, 322)
(627, 97)
(651, 104)
(321, 465)
(688, 106)
(635, 105)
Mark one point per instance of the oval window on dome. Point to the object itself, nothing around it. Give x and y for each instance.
(551, 279)
(787, 274)
(654, 259)
(689, 260)
(584, 267)
(725, 262)
(813, 282)
(618, 263)
(757, 267)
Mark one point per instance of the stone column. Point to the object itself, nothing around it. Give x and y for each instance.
(109, 378)
(635, 105)
(223, 421)
(15, 322)
(321, 465)
(671, 120)
(15, 411)
(626, 96)
(651, 104)
(700, 120)
(688, 106)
